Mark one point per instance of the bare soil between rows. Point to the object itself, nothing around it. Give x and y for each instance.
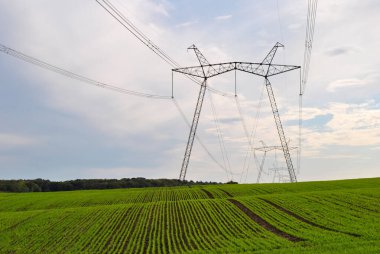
(305, 220)
(264, 223)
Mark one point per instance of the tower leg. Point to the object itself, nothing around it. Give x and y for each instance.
(281, 133)
(193, 131)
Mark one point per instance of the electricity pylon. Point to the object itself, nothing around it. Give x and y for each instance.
(266, 149)
(264, 69)
(282, 178)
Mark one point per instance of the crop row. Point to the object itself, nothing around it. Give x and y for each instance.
(309, 232)
(173, 227)
(35, 201)
(336, 210)
(263, 189)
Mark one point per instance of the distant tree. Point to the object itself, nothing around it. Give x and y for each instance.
(33, 187)
(39, 184)
(22, 187)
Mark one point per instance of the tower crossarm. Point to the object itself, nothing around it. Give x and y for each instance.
(196, 71)
(207, 71)
(259, 69)
(275, 69)
(270, 148)
(264, 70)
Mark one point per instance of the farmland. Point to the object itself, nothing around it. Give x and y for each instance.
(311, 217)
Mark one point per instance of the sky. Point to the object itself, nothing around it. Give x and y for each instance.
(57, 128)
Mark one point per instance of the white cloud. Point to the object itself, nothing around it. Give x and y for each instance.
(15, 140)
(343, 83)
(352, 125)
(223, 17)
(187, 24)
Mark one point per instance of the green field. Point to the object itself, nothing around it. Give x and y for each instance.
(312, 217)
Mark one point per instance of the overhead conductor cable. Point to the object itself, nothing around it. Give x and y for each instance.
(126, 23)
(72, 75)
(310, 26)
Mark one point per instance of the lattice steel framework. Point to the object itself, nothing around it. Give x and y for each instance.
(264, 69)
(267, 149)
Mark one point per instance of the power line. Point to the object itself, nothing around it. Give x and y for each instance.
(58, 70)
(127, 24)
(222, 145)
(250, 147)
(53, 68)
(310, 27)
(42, 64)
(251, 138)
(279, 22)
(116, 14)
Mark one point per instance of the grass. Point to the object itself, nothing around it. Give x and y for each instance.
(328, 217)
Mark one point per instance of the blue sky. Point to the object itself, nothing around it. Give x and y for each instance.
(57, 128)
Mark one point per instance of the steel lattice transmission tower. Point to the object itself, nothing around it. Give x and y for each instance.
(264, 69)
(266, 149)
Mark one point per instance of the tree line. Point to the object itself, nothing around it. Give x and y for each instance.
(41, 185)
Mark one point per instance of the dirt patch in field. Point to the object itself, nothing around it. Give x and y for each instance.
(209, 194)
(306, 220)
(226, 192)
(264, 223)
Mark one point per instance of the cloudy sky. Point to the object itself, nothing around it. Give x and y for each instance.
(57, 128)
